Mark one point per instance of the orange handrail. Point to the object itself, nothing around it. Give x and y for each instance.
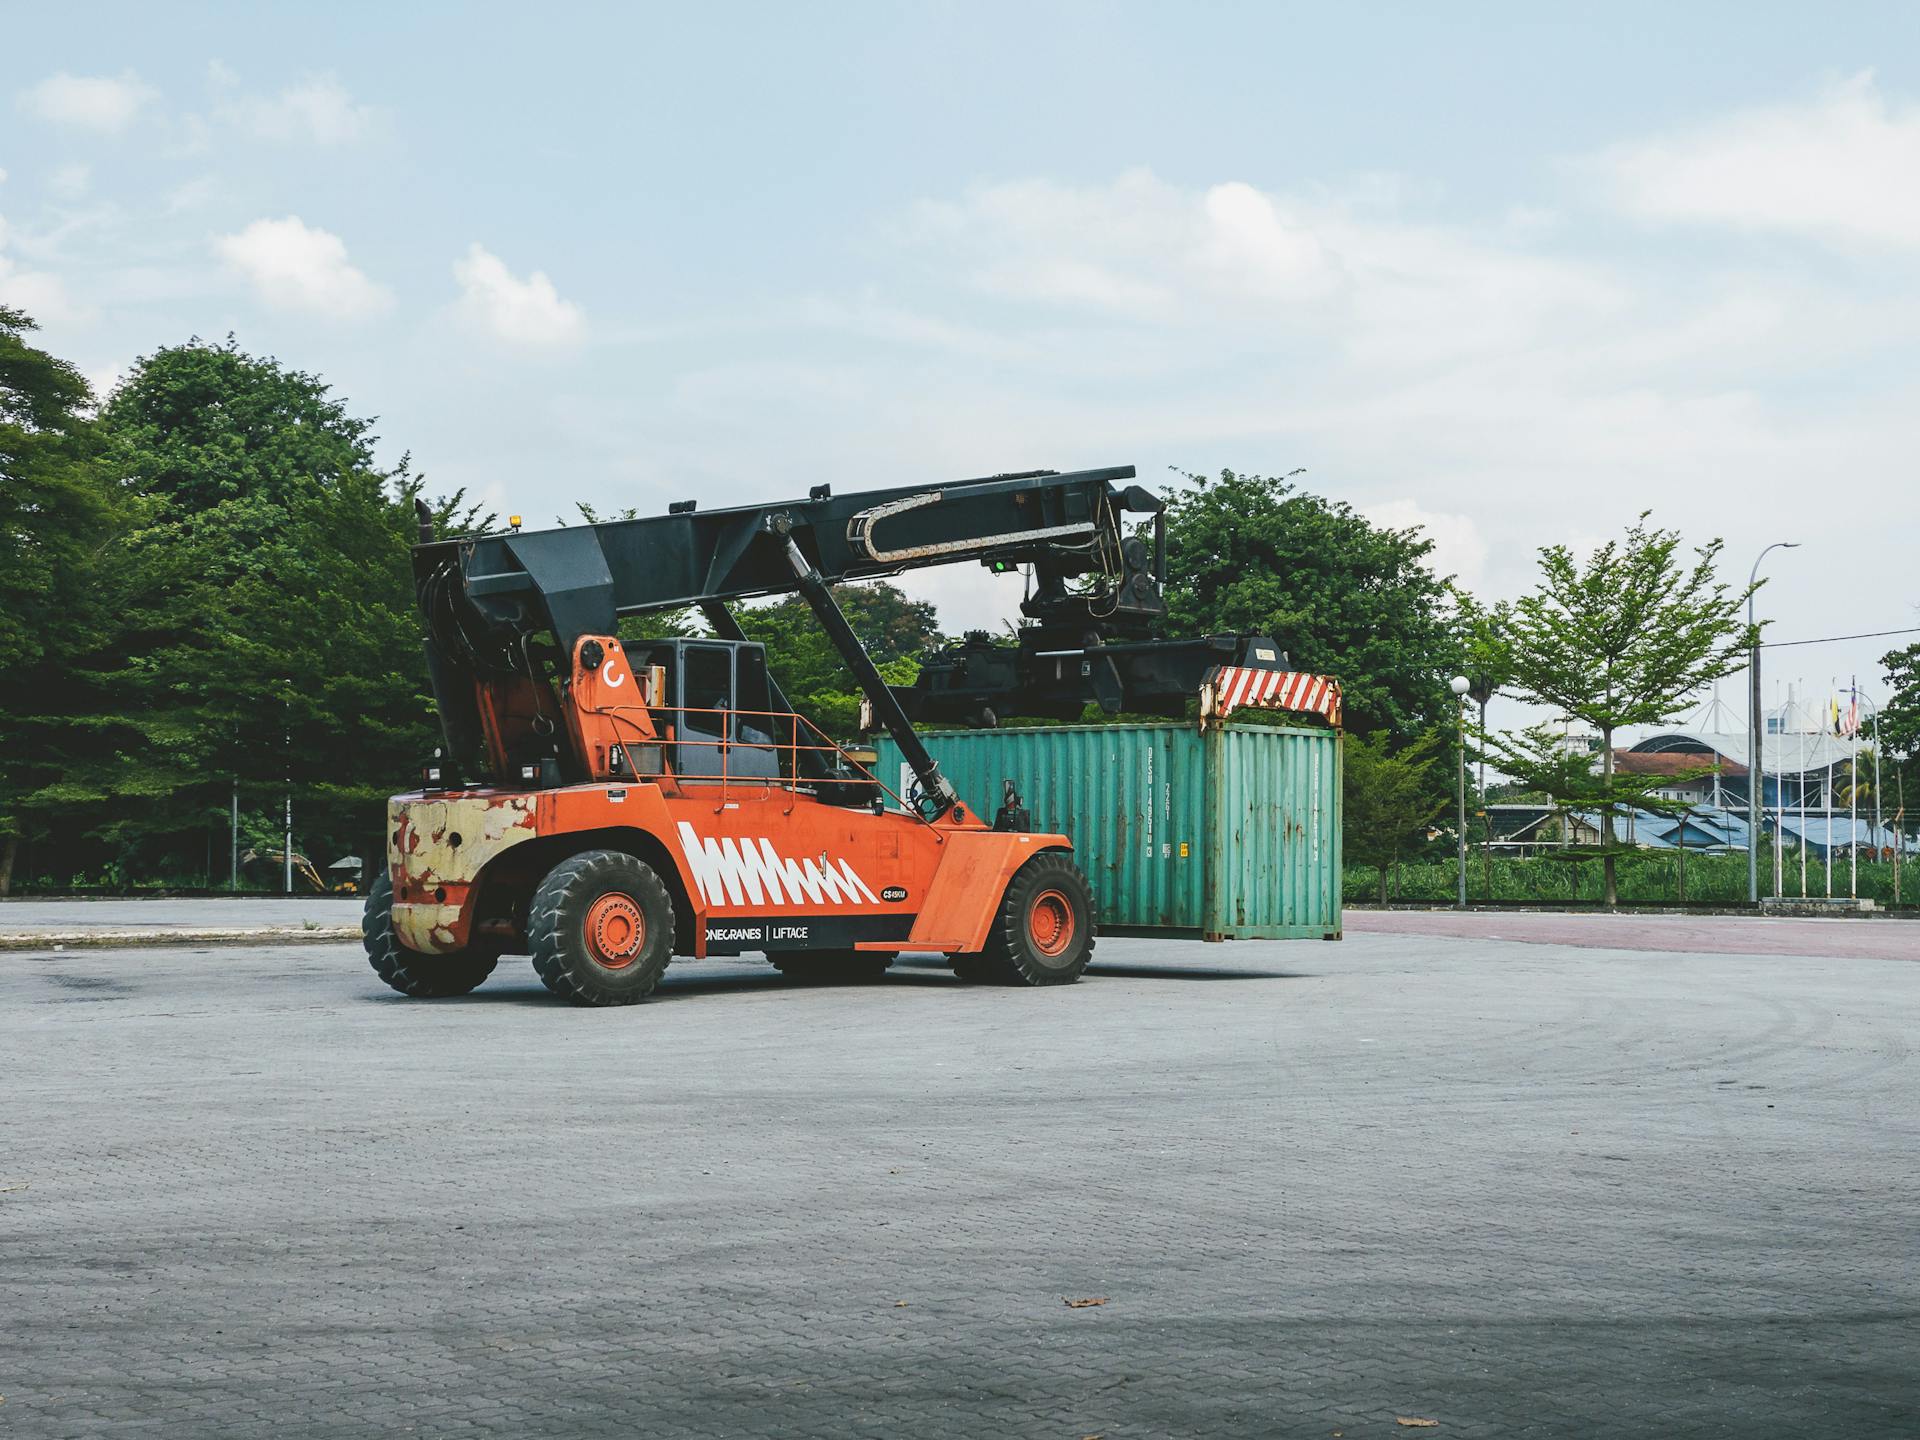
(727, 740)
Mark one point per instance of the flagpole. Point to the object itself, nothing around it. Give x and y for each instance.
(1853, 790)
(1801, 782)
(1780, 803)
(1826, 800)
(1878, 833)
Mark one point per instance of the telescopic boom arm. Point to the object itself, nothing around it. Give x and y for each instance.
(487, 598)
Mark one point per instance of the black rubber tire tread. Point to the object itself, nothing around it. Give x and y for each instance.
(423, 977)
(832, 967)
(559, 946)
(1010, 957)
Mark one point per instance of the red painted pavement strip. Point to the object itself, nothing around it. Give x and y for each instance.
(1676, 934)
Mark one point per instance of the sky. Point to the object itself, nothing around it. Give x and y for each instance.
(1513, 274)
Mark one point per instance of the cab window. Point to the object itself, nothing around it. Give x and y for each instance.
(707, 685)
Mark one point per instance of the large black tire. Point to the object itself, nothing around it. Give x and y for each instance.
(424, 977)
(1043, 934)
(832, 967)
(601, 929)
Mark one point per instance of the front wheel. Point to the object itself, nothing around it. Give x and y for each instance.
(1043, 934)
(423, 977)
(601, 928)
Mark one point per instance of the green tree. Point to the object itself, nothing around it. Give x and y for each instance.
(1900, 732)
(265, 631)
(1621, 640)
(1344, 597)
(1485, 643)
(1388, 798)
(894, 629)
(59, 512)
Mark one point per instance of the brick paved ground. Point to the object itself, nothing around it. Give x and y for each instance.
(1519, 1189)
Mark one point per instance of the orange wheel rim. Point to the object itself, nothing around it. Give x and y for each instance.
(1050, 922)
(615, 931)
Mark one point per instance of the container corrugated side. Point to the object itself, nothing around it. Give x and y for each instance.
(1228, 833)
(1274, 854)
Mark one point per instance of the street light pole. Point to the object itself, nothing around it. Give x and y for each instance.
(1756, 767)
(1460, 685)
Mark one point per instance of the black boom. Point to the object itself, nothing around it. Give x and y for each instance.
(1096, 593)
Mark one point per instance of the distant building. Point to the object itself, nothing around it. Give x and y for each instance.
(1802, 799)
(1694, 777)
(1530, 827)
(1798, 752)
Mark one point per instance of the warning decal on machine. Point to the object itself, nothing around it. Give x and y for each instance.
(748, 871)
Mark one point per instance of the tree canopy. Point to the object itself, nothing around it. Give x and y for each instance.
(1620, 639)
(59, 516)
(1899, 732)
(1389, 797)
(1343, 596)
(894, 629)
(251, 623)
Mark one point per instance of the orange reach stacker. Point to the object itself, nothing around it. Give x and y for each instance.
(604, 806)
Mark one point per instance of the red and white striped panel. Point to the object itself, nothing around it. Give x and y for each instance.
(1235, 686)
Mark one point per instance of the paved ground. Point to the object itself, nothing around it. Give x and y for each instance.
(1882, 938)
(1521, 1189)
(136, 921)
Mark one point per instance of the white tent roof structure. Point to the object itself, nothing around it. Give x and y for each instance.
(1794, 753)
(1799, 738)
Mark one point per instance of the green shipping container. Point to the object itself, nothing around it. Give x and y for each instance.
(1232, 833)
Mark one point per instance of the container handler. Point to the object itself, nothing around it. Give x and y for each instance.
(604, 806)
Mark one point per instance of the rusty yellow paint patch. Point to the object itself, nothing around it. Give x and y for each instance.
(436, 849)
(426, 927)
(449, 842)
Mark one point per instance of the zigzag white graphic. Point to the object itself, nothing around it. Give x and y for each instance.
(749, 872)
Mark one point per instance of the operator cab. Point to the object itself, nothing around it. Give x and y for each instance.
(720, 708)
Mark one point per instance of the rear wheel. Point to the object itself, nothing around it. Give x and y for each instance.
(832, 967)
(1043, 934)
(601, 928)
(424, 977)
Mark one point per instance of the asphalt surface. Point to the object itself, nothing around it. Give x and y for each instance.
(96, 920)
(1519, 1189)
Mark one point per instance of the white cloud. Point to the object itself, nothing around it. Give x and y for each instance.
(70, 182)
(1459, 550)
(1348, 273)
(1524, 376)
(293, 266)
(318, 109)
(1841, 166)
(100, 103)
(1254, 245)
(1137, 247)
(102, 379)
(38, 292)
(192, 194)
(526, 312)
